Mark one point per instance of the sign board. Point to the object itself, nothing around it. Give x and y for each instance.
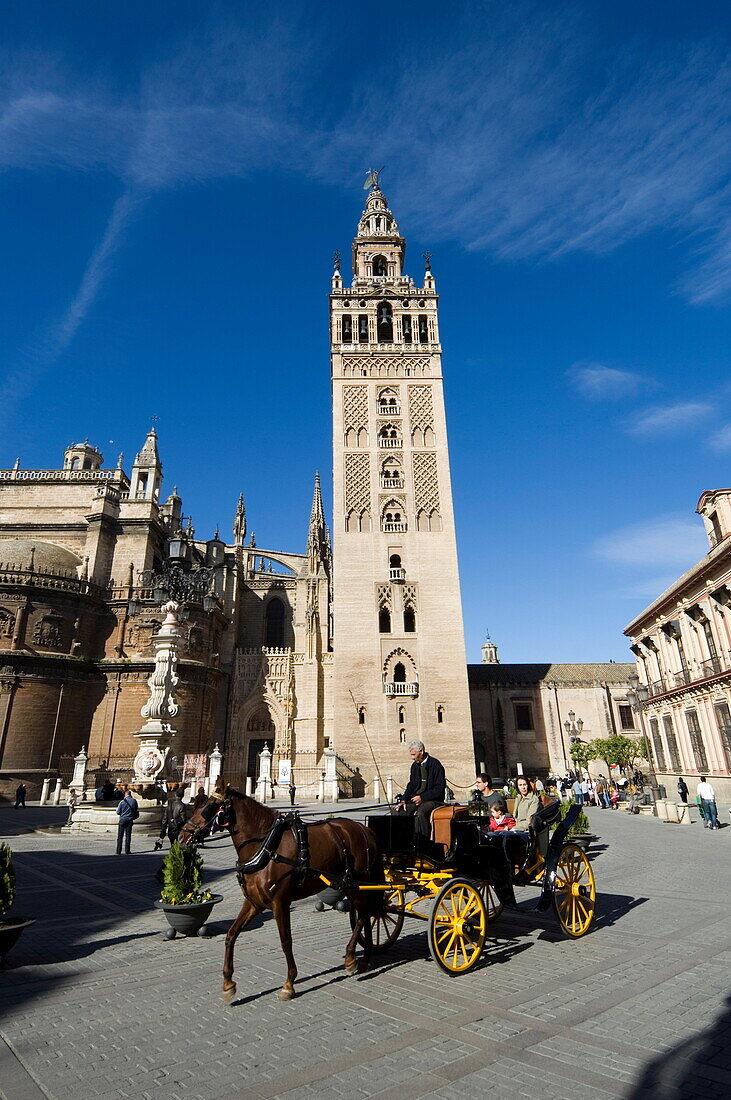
(194, 766)
(285, 773)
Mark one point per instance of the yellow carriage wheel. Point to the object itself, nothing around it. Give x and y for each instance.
(385, 925)
(458, 926)
(492, 902)
(574, 891)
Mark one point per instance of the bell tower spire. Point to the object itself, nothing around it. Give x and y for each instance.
(399, 642)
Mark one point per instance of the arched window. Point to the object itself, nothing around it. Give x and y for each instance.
(347, 329)
(402, 736)
(384, 621)
(423, 329)
(399, 673)
(274, 624)
(362, 328)
(380, 267)
(361, 715)
(395, 561)
(440, 714)
(409, 620)
(388, 403)
(401, 716)
(406, 330)
(384, 325)
(74, 463)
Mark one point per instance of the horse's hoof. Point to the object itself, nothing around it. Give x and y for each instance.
(228, 994)
(285, 994)
(352, 968)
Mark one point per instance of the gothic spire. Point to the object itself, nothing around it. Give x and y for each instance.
(317, 536)
(239, 527)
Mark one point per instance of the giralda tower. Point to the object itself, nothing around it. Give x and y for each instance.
(399, 663)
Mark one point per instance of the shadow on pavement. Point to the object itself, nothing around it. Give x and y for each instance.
(699, 1066)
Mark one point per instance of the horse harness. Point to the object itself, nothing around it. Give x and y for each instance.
(300, 867)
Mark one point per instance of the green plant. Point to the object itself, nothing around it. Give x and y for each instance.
(7, 879)
(182, 871)
(581, 825)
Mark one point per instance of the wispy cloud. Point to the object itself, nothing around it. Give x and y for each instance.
(721, 439)
(663, 419)
(599, 383)
(46, 350)
(664, 541)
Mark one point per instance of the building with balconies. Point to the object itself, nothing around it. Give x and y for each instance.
(682, 648)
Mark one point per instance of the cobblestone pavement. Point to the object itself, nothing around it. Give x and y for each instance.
(93, 1002)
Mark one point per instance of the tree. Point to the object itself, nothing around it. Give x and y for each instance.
(580, 754)
(620, 750)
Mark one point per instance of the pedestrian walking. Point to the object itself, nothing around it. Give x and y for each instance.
(128, 812)
(683, 790)
(292, 792)
(173, 819)
(707, 795)
(20, 793)
(578, 792)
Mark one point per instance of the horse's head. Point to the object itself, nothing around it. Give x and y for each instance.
(214, 815)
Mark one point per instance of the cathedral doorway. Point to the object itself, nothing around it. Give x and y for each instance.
(260, 732)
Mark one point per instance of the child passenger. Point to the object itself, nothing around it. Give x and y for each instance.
(500, 820)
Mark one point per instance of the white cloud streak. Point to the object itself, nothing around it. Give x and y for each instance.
(665, 419)
(658, 543)
(721, 440)
(599, 383)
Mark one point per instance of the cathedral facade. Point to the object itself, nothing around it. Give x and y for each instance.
(356, 652)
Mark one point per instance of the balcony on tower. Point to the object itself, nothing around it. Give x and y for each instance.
(390, 436)
(401, 689)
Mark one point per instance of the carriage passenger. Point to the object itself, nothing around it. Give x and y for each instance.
(500, 820)
(526, 804)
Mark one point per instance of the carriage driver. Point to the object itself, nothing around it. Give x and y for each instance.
(425, 789)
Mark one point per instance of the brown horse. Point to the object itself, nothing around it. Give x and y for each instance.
(277, 877)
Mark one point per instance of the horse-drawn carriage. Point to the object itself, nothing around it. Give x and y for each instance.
(460, 879)
(457, 880)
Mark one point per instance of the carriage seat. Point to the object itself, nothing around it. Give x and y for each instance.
(441, 824)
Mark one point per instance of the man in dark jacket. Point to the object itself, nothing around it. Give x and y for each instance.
(425, 789)
(128, 812)
(173, 819)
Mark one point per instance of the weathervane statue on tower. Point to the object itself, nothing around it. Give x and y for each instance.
(371, 181)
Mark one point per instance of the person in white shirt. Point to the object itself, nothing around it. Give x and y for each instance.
(707, 795)
(539, 786)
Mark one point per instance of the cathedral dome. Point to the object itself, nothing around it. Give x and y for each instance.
(45, 556)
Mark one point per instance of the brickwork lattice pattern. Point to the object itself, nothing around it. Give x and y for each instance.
(426, 481)
(357, 482)
(355, 407)
(421, 407)
(392, 366)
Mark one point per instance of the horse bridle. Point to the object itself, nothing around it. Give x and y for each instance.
(220, 808)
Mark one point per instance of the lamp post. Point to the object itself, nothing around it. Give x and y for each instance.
(637, 696)
(573, 727)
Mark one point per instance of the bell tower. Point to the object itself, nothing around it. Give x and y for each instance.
(399, 657)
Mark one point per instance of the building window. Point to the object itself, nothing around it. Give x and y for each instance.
(399, 673)
(423, 329)
(696, 740)
(406, 329)
(626, 717)
(710, 640)
(361, 715)
(347, 330)
(657, 745)
(380, 267)
(672, 742)
(723, 719)
(363, 328)
(274, 624)
(384, 323)
(384, 621)
(440, 714)
(716, 533)
(409, 620)
(402, 736)
(523, 716)
(401, 716)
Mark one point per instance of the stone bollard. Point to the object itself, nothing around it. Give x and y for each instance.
(214, 767)
(263, 785)
(376, 789)
(44, 792)
(57, 792)
(250, 786)
(683, 811)
(321, 792)
(389, 788)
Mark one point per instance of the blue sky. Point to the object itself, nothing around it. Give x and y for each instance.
(176, 176)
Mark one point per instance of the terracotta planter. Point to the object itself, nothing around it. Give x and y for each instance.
(187, 920)
(10, 931)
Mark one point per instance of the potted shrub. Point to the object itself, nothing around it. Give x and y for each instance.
(579, 831)
(10, 927)
(186, 906)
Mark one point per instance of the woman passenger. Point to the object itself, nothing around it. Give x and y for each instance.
(526, 804)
